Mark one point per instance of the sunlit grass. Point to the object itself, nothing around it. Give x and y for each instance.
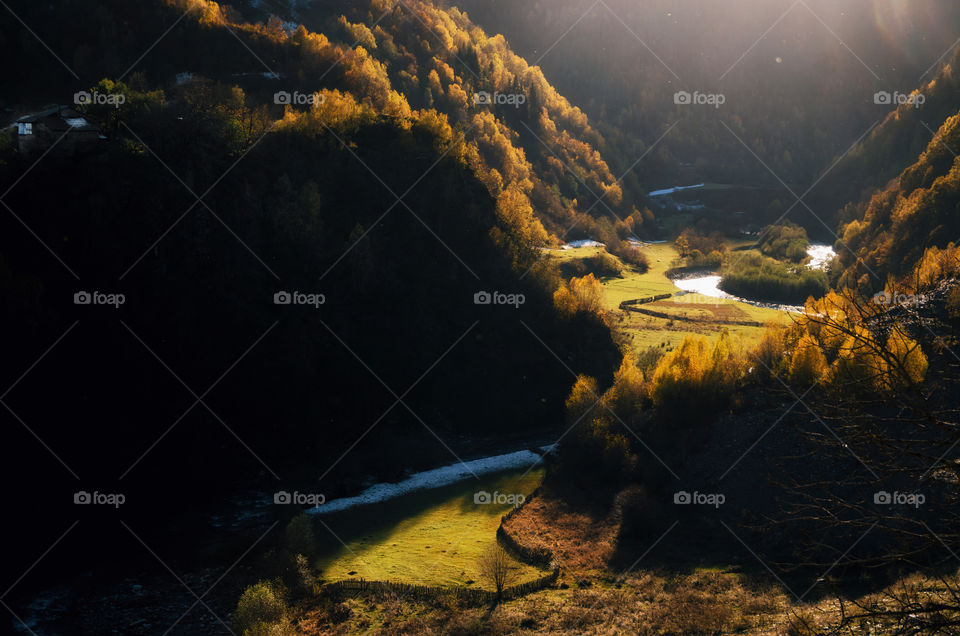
(433, 537)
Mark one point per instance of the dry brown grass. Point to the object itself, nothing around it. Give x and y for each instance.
(580, 540)
(705, 602)
(646, 603)
(704, 311)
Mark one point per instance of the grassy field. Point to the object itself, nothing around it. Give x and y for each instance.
(649, 331)
(432, 537)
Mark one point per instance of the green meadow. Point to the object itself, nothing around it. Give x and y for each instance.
(433, 537)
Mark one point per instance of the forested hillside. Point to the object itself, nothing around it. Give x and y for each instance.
(533, 149)
(892, 146)
(917, 210)
(208, 199)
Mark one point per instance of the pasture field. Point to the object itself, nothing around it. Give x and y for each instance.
(432, 537)
(650, 331)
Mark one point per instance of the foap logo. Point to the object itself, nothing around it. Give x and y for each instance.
(296, 98)
(899, 299)
(696, 98)
(483, 98)
(884, 498)
(96, 498)
(284, 498)
(483, 498)
(86, 98)
(896, 98)
(684, 498)
(99, 298)
(498, 298)
(299, 298)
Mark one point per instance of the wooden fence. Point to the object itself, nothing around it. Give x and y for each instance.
(539, 557)
(643, 301)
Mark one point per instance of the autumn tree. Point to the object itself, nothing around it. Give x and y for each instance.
(596, 450)
(628, 392)
(683, 245)
(696, 368)
(582, 400)
(807, 365)
(498, 568)
(583, 294)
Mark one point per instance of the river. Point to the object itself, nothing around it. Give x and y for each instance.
(709, 284)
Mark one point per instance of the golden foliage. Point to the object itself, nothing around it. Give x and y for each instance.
(580, 294)
(770, 351)
(828, 319)
(628, 391)
(808, 365)
(582, 399)
(516, 212)
(433, 83)
(697, 369)
(316, 51)
(936, 265)
(333, 109)
(907, 364)
(597, 450)
(208, 13)
(858, 362)
(359, 32)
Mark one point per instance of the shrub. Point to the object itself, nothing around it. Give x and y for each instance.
(600, 265)
(270, 629)
(261, 610)
(787, 241)
(648, 358)
(292, 571)
(630, 255)
(604, 264)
